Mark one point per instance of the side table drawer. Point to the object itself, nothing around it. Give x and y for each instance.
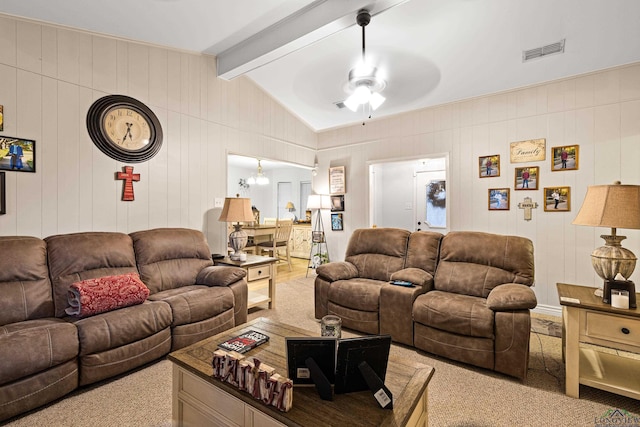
(259, 272)
(612, 328)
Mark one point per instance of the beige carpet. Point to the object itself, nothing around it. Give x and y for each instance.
(459, 395)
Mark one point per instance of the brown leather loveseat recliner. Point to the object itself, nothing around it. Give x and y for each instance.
(470, 300)
(45, 353)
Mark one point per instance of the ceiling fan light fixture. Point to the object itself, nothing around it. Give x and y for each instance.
(364, 82)
(376, 100)
(351, 103)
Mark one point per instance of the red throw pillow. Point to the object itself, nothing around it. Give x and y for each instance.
(94, 296)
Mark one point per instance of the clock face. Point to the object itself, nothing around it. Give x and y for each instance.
(124, 128)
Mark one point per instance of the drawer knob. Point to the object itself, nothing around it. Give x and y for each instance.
(260, 272)
(625, 331)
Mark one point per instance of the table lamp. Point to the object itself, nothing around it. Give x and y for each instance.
(291, 208)
(237, 209)
(615, 206)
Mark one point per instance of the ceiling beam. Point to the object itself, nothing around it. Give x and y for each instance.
(314, 22)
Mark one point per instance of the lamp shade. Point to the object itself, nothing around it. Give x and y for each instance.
(318, 201)
(236, 209)
(614, 206)
(290, 207)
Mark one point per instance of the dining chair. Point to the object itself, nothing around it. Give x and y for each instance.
(280, 241)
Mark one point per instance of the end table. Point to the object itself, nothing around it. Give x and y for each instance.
(586, 319)
(261, 273)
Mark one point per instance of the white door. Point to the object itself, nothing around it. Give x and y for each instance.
(431, 201)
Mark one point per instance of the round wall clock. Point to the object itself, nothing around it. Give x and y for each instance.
(124, 128)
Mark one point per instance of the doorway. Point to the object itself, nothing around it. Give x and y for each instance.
(410, 193)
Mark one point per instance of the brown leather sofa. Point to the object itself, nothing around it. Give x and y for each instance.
(46, 354)
(471, 300)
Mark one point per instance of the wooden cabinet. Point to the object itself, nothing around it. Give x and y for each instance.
(300, 241)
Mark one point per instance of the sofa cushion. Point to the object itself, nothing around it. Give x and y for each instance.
(358, 294)
(170, 257)
(24, 280)
(191, 304)
(94, 296)
(377, 252)
(80, 256)
(459, 314)
(473, 263)
(126, 325)
(33, 346)
(422, 250)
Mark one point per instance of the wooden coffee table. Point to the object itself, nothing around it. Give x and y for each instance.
(200, 399)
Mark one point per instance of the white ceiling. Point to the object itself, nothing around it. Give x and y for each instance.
(431, 51)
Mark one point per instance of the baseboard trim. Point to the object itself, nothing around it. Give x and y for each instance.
(549, 310)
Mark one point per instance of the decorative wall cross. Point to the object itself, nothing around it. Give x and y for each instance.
(527, 204)
(128, 176)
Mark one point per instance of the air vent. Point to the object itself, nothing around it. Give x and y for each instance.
(539, 52)
(339, 104)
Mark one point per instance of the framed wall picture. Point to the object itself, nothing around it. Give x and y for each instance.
(1, 118)
(532, 150)
(3, 197)
(557, 199)
(336, 222)
(564, 158)
(489, 166)
(337, 203)
(499, 199)
(337, 183)
(526, 178)
(17, 154)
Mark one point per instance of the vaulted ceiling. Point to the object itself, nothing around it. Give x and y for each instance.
(430, 51)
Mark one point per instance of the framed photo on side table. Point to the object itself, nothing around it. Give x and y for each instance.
(489, 166)
(499, 199)
(336, 222)
(557, 199)
(526, 178)
(564, 158)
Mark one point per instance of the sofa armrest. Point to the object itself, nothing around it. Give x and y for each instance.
(417, 276)
(340, 270)
(220, 275)
(511, 296)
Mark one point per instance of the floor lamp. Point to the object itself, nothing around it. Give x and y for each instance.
(319, 252)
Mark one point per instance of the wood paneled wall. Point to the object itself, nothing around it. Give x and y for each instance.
(49, 76)
(600, 112)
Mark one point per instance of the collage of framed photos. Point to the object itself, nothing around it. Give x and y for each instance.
(337, 189)
(527, 177)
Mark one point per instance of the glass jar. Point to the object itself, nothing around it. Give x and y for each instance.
(331, 326)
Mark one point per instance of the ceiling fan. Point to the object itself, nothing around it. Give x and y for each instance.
(364, 82)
